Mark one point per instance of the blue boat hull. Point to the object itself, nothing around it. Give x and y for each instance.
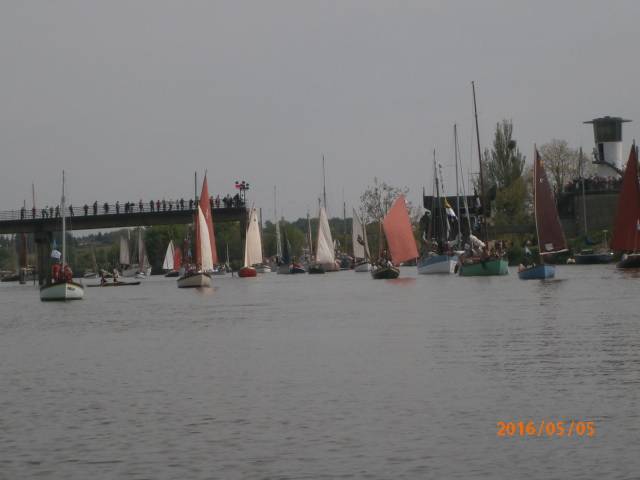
(539, 272)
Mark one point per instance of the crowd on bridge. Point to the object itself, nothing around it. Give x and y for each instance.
(152, 206)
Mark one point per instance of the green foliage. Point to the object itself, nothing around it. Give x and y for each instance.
(504, 164)
(510, 204)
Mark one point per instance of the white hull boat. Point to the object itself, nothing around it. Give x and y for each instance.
(263, 269)
(194, 280)
(362, 267)
(437, 264)
(61, 291)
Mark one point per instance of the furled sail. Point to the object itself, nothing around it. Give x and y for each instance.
(359, 238)
(324, 244)
(124, 252)
(253, 244)
(399, 233)
(550, 235)
(168, 257)
(626, 227)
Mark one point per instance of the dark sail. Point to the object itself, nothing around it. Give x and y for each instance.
(286, 247)
(550, 235)
(627, 223)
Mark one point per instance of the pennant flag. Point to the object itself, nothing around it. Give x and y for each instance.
(449, 210)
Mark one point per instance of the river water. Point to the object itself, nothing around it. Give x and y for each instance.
(326, 376)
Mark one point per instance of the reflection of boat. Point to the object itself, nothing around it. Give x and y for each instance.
(61, 286)
(115, 284)
(196, 275)
(550, 235)
(399, 236)
(252, 247)
(627, 222)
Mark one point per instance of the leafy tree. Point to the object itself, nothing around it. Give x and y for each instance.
(504, 163)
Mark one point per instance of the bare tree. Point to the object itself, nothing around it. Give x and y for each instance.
(561, 162)
(377, 200)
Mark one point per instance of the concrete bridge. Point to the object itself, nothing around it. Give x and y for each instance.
(42, 223)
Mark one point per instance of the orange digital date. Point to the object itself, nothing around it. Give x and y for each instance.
(559, 428)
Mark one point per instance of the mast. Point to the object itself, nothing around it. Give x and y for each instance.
(455, 150)
(309, 237)
(324, 185)
(64, 226)
(584, 198)
(483, 227)
(440, 207)
(344, 222)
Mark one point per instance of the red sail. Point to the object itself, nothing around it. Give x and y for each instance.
(399, 234)
(205, 206)
(550, 235)
(627, 223)
(177, 258)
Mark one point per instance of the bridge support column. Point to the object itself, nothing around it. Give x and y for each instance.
(43, 247)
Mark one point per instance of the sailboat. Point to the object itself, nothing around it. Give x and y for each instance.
(144, 268)
(128, 270)
(197, 274)
(399, 236)
(169, 263)
(626, 228)
(483, 264)
(60, 286)
(360, 244)
(252, 247)
(287, 264)
(262, 267)
(325, 260)
(437, 258)
(550, 235)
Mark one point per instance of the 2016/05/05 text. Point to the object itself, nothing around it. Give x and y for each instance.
(542, 428)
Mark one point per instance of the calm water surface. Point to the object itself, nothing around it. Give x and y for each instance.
(334, 376)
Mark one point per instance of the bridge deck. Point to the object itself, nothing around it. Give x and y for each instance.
(27, 222)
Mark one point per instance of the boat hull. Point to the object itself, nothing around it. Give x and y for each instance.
(172, 273)
(362, 267)
(194, 280)
(490, 267)
(593, 258)
(537, 272)
(61, 291)
(437, 264)
(263, 269)
(316, 268)
(247, 272)
(117, 284)
(629, 261)
(382, 273)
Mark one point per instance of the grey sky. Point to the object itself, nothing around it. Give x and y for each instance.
(131, 97)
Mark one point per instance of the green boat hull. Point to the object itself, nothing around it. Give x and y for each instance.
(486, 268)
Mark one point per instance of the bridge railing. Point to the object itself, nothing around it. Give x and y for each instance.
(127, 208)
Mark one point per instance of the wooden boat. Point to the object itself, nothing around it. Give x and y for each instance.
(115, 284)
(551, 238)
(627, 222)
(435, 259)
(399, 236)
(60, 286)
(252, 247)
(481, 265)
(196, 275)
(360, 244)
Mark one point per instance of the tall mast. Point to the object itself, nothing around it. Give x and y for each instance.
(33, 195)
(324, 185)
(195, 186)
(483, 227)
(584, 198)
(455, 149)
(439, 209)
(64, 226)
(309, 237)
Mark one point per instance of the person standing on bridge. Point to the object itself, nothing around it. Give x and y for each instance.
(182, 204)
(106, 208)
(71, 210)
(141, 206)
(33, 212)
(118, 207)
(151, 205)
(57, 211)
(191, 204)
(157, 205)
(86, 209)
(95, 207)
(22, 211)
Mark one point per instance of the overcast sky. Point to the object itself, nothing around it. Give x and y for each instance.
(132, 97)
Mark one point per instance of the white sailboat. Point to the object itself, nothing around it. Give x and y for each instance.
(252, 247)
(167, 264)
(61, 285)
(197, 275)
(325, 259)
(128, 270)
(360, 245)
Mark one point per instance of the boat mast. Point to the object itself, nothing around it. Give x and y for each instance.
(455, 150)
(584, 198)
(440, 207)
(484, 206)
(324, 185)
(64, 226)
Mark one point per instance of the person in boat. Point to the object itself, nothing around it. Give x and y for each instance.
(115, 275)
(103, 280)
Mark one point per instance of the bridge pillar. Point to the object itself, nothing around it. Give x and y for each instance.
(43, 247)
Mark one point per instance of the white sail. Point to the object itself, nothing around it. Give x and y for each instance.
(168, 257)
(205, 243)
(124, 252)
(324, 245)
(253, 245)
(359, 237)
